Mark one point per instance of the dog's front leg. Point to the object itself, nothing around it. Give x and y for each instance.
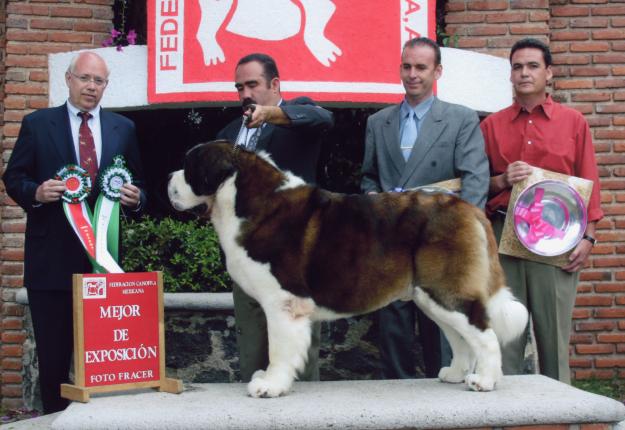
(289, 339)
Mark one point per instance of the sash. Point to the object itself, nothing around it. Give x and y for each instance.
(98, 232)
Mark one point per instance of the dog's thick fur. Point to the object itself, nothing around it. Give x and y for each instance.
(308, 254)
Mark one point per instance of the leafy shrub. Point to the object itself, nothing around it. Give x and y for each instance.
(187, 252)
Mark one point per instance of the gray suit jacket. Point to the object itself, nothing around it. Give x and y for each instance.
(450, 145)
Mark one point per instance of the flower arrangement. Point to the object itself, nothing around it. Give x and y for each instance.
(120, 39)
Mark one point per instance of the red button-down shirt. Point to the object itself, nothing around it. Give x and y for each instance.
(552, 137)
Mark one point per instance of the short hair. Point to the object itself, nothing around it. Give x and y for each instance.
(270, 70)
(424, 41)
(530, 42)
(72, 64)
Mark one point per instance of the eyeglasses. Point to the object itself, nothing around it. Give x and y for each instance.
(85, 79)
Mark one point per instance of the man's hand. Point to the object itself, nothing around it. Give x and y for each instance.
(50, 191)
(515, 172)
(579, 256)
(258, 115)
(130, 195)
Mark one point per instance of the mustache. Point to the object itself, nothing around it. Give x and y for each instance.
(246, 102)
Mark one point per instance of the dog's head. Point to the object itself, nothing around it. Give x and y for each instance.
(206, 167)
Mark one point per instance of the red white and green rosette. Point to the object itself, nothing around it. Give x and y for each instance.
(77, 183)
(77, 212)
(114, 177)
(106, 213)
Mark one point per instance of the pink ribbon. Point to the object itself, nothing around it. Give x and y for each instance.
(532, 215)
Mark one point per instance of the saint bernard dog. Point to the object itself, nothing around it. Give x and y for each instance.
(307, 254)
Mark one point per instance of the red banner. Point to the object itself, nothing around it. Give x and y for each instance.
(121, 328)
(332, 50)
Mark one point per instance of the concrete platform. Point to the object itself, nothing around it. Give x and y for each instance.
(399, 404)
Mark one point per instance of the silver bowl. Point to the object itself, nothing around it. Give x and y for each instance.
(549, 218)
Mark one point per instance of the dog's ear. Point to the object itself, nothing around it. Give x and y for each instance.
(208, 165)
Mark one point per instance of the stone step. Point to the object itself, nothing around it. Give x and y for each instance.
(399, 404)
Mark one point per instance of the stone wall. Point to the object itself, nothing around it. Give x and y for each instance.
(201, 348)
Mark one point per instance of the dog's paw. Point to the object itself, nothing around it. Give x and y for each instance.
(258, 374)
(451, 374)
(263, 387)
(480, 382)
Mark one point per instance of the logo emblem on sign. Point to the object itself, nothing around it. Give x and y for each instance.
(94, 288)
(267, 20)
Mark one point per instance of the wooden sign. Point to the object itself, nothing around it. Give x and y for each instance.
(119, 339)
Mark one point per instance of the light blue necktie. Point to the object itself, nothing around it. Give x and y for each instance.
(409, 134)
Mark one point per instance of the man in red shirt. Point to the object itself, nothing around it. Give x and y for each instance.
(537, 131)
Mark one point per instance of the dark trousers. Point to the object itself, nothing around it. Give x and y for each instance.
(52, 313)
(252, 339)
(396, 339)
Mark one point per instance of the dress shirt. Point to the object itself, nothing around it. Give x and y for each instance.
(245, 134)
(420, 110)
(94, 126)
(553, 137)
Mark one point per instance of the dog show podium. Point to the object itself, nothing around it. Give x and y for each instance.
(528, 400)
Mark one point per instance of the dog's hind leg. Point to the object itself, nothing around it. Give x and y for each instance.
(288, 325)
(463, 359)
(483, 343)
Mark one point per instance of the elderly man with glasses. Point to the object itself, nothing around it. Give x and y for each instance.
(79, 132)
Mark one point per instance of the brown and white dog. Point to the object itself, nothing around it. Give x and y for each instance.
(307, 254)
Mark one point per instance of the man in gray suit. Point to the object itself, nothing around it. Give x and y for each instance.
(418, 142)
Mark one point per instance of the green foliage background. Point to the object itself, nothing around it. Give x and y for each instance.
(187, 252)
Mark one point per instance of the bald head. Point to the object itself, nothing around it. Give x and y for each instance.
(87, 78)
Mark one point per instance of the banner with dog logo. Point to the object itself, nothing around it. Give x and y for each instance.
(331, 50)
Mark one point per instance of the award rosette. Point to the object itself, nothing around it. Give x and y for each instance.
(78, 187)
(106, 213)
(97, 232)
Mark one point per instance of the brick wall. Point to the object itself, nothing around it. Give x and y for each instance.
(587, 38)
(33, 30)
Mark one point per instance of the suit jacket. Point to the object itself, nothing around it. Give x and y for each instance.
(449, 145)
(294, 147)
(52, 252)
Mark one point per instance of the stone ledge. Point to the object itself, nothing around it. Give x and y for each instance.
(178, 301)
(399, 404)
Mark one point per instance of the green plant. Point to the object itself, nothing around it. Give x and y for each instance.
(445, 39)
(187, 252)
(614, 388)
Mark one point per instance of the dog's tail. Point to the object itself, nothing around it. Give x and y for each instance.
(508, 316)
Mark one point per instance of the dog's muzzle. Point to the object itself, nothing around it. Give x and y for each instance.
(182, 197)
(199, 210)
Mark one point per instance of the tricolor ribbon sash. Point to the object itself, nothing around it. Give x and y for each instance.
(99, 232)
(106, 213)
(77, 189)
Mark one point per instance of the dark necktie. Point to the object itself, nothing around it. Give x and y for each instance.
(86, 148)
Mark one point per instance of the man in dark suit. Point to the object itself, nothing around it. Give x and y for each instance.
(418, 142)
(48, 140)
(290, 132)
